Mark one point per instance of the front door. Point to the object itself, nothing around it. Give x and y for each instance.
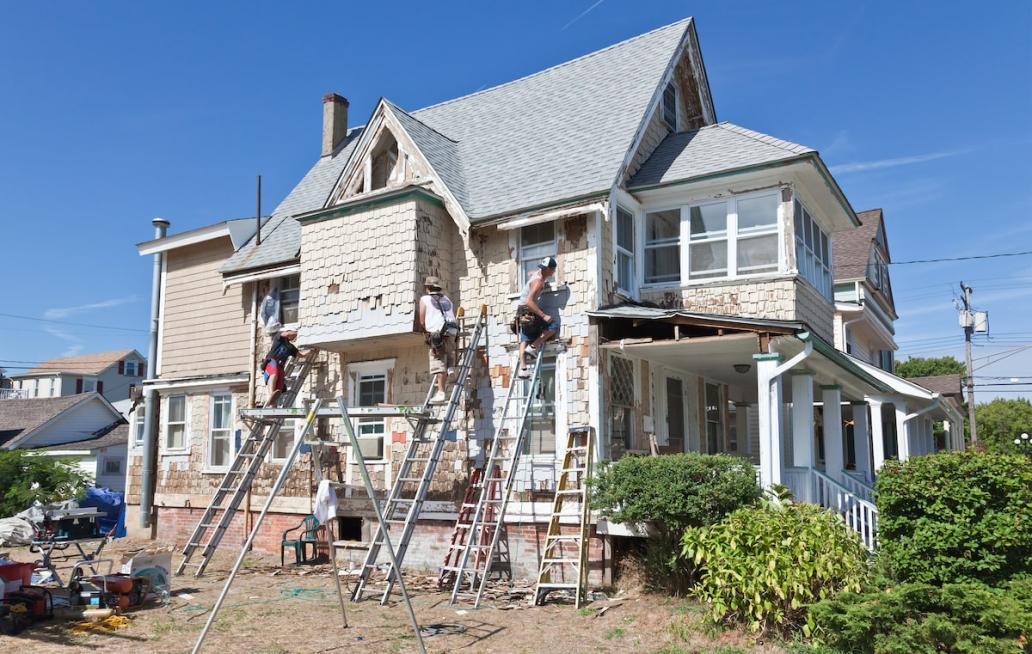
(676, 436)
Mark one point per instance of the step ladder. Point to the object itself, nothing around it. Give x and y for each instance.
(410, 488)
(478, 539)
(238, 479)
(564, 561)
(458, 539)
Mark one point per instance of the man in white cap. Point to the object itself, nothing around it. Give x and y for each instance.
(437, 319)
(535, 326)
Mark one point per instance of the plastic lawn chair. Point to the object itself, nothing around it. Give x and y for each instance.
(309, 536)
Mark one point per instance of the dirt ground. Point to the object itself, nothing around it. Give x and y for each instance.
(269, 610)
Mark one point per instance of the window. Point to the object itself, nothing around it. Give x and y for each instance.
(621, 374)
(175, 425)
(536, 243)
(757, 234)
(885, 360)
(541, 418)
(707, 255)
(89, 385)
(714, 423)
(813, 251)
(670, 106)
(625, 272)
(220, 442)
(138, 423)
(284, 440)
(112, 466)
(371, 390)
(662, 246)
(290, 298)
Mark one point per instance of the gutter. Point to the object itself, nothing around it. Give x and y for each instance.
(842, 360)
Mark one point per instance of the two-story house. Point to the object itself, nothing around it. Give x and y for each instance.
(695, 283)
(112, 374)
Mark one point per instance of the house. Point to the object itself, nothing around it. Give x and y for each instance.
(695, 281)
(83, 427)
(112, 374)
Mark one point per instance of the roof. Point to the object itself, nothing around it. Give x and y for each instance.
(942, 384)
(534, 142)
(239, 230)
(23, 416)
(852, 247)
(712, 149)
(84, 364)
(114, 434)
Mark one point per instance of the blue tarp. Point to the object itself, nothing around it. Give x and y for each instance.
(109, 502)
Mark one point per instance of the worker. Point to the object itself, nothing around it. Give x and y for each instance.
(275, 362)
(437, 320)
(535, 326)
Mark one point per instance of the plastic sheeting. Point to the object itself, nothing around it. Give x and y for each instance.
(112, 504)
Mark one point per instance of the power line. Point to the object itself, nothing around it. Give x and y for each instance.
(977, 256)
(73, 324)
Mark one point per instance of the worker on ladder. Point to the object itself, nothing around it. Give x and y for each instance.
(275, 362)
(534, 325)
(437, 320)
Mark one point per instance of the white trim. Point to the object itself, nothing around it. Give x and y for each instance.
(372, 368)
(534, 219)
(632, 253)
(231, 280)
(161, 316)
(208, 466)
(236, 230)
(163, 442)
(195, 384)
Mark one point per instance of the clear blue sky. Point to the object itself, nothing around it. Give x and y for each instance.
(113, 114)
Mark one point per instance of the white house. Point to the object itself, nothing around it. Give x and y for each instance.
(112, 374)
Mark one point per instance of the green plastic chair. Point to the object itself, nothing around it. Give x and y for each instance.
(309, 536)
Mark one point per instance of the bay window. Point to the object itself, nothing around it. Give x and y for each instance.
(813, 250)
(625, 272)
(707, 252)
(662, 246)
(757, 234)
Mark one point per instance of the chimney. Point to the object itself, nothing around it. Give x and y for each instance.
(334, 122)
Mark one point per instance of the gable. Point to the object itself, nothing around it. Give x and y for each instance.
(78, 418)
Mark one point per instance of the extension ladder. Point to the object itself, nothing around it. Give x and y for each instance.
(479, 537)
(566, 556)
(238, 479)
(410, 488)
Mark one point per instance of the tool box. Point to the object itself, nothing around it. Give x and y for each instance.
(21, 608)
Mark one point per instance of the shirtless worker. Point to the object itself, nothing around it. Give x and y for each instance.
(543, 326)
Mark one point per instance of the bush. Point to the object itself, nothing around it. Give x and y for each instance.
(26, 477)
(671, 493)
(764, 565)
(921, 618)
(956, 516)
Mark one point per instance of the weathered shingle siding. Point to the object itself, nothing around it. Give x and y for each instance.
(205, 326)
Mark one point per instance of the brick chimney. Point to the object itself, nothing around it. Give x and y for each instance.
(334, 122)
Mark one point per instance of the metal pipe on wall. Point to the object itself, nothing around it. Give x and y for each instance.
(150, 425)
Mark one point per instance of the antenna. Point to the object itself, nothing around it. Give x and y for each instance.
(258, 212)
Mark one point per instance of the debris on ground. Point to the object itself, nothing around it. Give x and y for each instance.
(105, 626)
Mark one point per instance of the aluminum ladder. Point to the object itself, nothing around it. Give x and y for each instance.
(495, 486)
(410, 488)
(566, 555)
(238, 479)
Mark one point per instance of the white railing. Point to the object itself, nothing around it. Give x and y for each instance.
(14, 393)
(860, 515)
(798, 480)
(857, 487)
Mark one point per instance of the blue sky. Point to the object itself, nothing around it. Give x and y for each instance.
(113, 114)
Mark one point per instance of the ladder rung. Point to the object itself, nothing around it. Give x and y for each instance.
(557, 585)
(570, 561)
(570, 492)
(558, 537)
(409, 480)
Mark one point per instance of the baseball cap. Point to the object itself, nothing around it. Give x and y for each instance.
(547, 262)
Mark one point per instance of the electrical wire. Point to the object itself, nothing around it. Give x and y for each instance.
(73, 324)
(969, 258)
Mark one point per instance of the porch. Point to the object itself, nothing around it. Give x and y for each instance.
(808, 416)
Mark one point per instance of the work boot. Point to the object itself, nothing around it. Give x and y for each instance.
(439, 398)
(524, 372)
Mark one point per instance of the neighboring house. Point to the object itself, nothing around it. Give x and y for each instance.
(82, 427)
(695, 282)
(864, 308)
(112, 374)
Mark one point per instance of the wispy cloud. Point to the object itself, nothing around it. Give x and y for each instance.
(863, 166)
(104, 304)
(75, 343)
(582, 14)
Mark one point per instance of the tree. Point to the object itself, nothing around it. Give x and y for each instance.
(1001, 421)
(26, 477)
(928, 367)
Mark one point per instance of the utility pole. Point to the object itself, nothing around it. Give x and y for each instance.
(967, 321)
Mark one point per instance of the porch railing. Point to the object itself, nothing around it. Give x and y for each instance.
(859, 514)
(14, 393)
(857, 487)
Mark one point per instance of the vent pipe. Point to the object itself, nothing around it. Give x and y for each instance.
(150, 399)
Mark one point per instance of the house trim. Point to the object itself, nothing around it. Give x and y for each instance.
(270, 273)
(239, 231)
(369, 201)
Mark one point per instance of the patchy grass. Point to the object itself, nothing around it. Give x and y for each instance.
(615, 632)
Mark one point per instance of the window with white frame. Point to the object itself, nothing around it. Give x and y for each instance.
(624, 242)
(290, 298)
(813, 250)
(370, 389)
(138, 420)
(89, 385)
(220, 435)
(662, 246)
(670, 106)
(541, 417)
(708, 239)
(756, 224)
(536, 243)
(175, 424)
(284, 440)
(130, 369)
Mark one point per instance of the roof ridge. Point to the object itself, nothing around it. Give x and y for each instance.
(685, 21)
(791, 146)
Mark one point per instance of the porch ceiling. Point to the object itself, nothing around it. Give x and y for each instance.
(712, 357)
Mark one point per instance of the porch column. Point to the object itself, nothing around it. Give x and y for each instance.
(768, 405)
(834, 462)
(877, 435)
(862, 441)
(803, 454)
(949, 440)
(902, 431)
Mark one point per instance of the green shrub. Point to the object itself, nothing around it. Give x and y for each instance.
(917, 618)
(763, 565)
(672, 493)
(55, 479)
(956, 516)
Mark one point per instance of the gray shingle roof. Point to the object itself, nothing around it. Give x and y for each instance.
(114, 434)
(851, 248)
(22, 416)
(942, 384)
(712, 149)
(555, 135)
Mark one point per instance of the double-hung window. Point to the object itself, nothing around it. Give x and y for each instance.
(175, 425)
(138, 420)
(813, 250)
(220, 430)
(290, 298)
(708, 240)
(371, 391)
(625, 268)
(662, 246)
(541, 417)
(536, 243)
(757, 234)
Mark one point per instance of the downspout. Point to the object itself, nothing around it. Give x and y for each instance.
(252, 382)
(150, 400)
